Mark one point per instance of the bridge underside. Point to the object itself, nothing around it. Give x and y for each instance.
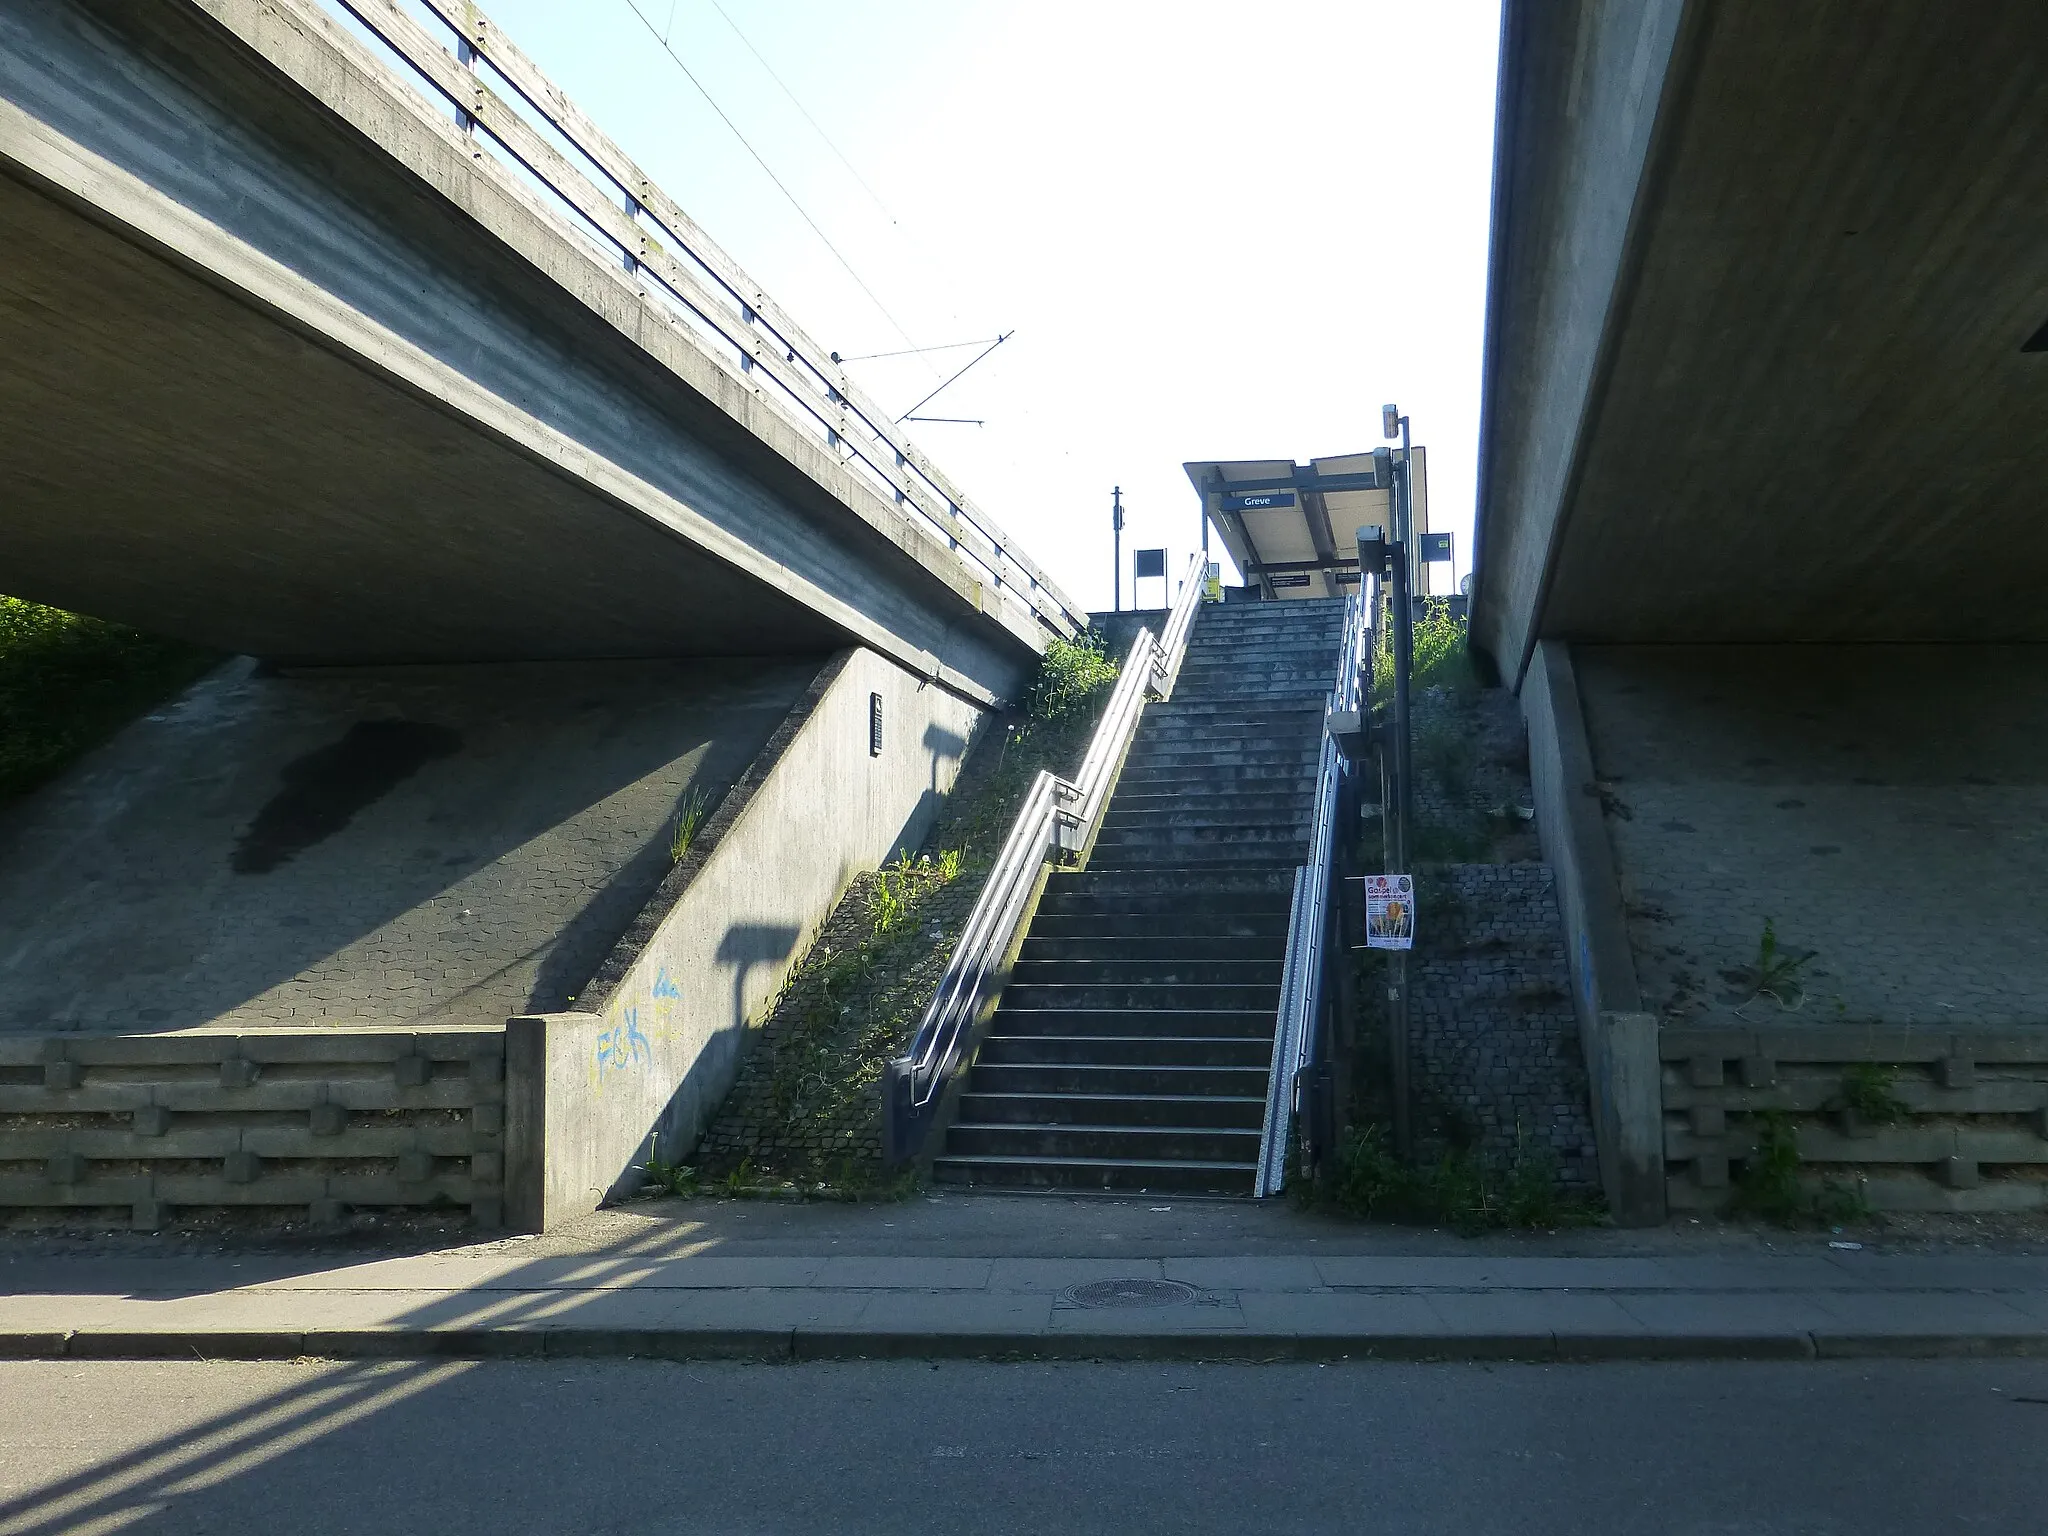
(290, 366)
(267, 496)
(1763, 287)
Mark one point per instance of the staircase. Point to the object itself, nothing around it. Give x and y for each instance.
(1132, 1044)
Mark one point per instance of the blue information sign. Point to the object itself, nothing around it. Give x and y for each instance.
(1147, 562)
(1436, 548)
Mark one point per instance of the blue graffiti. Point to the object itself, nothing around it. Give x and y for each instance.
(663, 987)
(624, 1046)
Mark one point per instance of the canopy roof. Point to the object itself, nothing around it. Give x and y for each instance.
(1292, 529)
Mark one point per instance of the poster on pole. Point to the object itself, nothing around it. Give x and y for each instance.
(1389, 911)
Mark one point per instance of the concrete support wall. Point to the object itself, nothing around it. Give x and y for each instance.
(666, 1019)
(1619, 1040)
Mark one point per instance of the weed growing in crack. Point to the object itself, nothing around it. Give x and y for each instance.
(1772, 1188)
(1867, 1094)
(690, 817)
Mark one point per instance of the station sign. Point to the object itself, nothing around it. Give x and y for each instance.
(1258, 501)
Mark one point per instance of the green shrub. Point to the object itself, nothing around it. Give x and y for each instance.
(1072, 675)
(1442, 657)
(68, 682)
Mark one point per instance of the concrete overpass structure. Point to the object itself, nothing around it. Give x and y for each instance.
(607, 628)
(1759, 541)
(306, 357)
(1765, 337)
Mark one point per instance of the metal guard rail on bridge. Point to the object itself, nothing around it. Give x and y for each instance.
(1301, 978)
(695, 281)
(1058, 817)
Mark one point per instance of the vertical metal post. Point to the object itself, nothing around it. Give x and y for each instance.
(1116, 533)
(1399, 852)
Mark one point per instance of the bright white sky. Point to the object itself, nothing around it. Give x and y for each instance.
(1219, 230)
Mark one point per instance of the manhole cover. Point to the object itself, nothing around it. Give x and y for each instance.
(1131, 1293)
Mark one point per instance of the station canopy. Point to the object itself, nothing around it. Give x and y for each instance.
(1292, 529)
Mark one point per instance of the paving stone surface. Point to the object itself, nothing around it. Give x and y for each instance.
(1886, 807)
(352, 846)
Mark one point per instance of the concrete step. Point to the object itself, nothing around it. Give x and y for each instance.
(1121, 1143)
(1128, 1050)
(1171, 922)
(1220, 791)
(1142, 996)
(1209, 1023)
(1199, 839)
(1123, 945)
(1149, 778)
(1206, 890)
(1206, 1111)
(1203, 812)
(1261, 858)
(1259, 706)
(1185, 972)
(1101, 1078)
(1181, 757)
(1089, 1173)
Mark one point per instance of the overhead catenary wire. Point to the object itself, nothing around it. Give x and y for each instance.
(768, 170)
(927, 400)
(944, 346)
(817, 128)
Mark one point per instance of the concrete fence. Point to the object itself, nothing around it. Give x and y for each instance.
(1909, 1119)
(131, 1127)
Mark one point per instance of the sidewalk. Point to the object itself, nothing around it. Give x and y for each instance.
(678, 1288)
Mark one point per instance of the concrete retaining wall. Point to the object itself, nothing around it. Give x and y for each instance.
(297, 1122)
(665, 1021)
(1618, 1039)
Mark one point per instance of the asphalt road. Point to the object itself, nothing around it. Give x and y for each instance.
(907, 1447)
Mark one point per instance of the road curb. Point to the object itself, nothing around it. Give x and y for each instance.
(799, 1344)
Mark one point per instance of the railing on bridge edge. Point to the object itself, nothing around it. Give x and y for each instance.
(1295, 1036)
(1058, 817)
(696, 282)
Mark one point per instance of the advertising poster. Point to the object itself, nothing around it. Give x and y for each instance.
(1389, 912)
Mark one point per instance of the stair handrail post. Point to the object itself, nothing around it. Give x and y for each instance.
(1173, 640)
(1058, 819)
(1301, 979)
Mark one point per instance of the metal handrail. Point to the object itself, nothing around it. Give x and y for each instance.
(602, 196)
(1301, 978)
(1058, 816)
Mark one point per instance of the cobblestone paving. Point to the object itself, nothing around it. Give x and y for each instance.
(1885, 806)
(397, 845)
(1494, 1038)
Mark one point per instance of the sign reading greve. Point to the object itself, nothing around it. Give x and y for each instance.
(1389, 911)
(1258, 501)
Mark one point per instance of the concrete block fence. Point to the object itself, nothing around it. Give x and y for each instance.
(313, 1122)
(1972, 1134)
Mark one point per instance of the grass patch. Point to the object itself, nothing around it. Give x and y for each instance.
(1460, 1187)
(68, 682)
(690, 817)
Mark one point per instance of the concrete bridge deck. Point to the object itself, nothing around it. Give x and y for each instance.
(294, 365)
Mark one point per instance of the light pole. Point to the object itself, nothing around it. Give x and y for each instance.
(1399, 813)
(1116, 535)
